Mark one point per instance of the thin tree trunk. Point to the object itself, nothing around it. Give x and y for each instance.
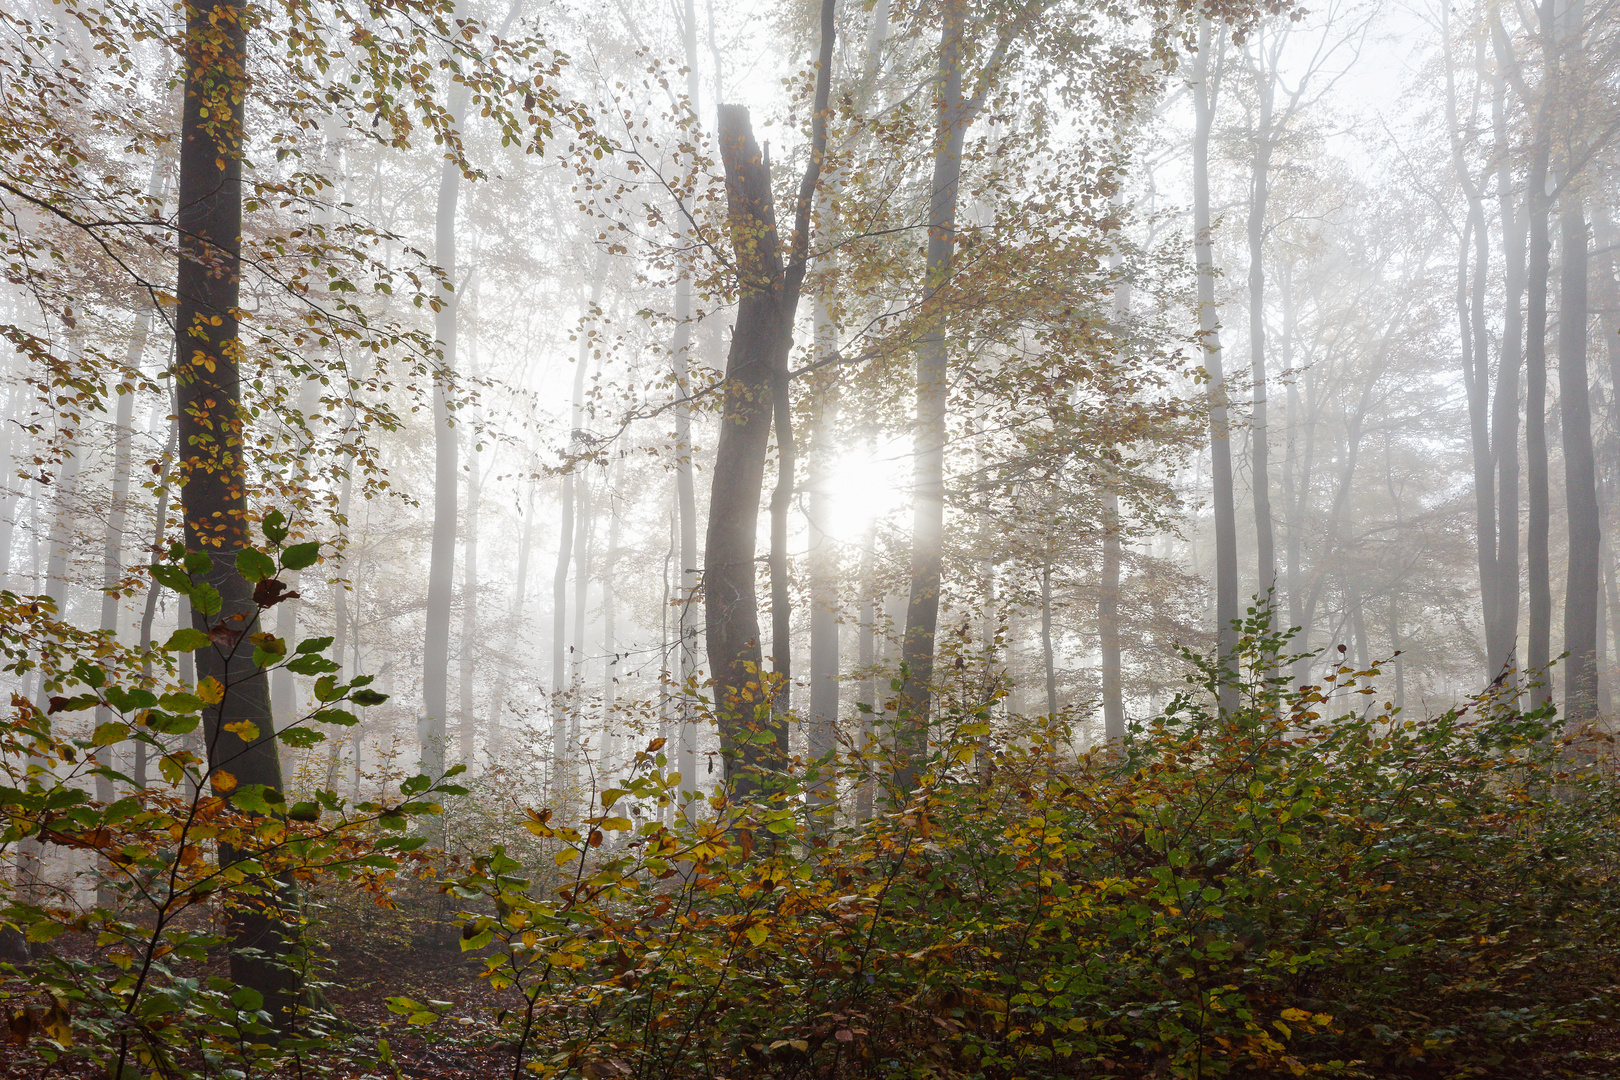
(1580, 471)
(467, 649)
(1048, 658)
(685, 487)
(571, 481)
(610, 640)
(1539, 645)
(584, 536)
(781, 598)
(213, 473)
(866, 660)
(1505, 409)
(1259, 464)
(1113, 694)
(1206, 88)
(821, 733)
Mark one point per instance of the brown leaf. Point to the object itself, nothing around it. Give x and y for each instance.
(223, 636)
(57, 704)
(271, 592)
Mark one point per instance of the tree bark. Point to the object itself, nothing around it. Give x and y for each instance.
(467, 648)
(213, 473)
(1580, 472)
(1206, 88)
(566, 526)
(1505, 409)
(1539, 644)
(755, 369)
(928, 488)
(1259, 464)
(820, 734)
(1048, 657)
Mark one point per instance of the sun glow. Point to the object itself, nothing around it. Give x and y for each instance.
(867, 484)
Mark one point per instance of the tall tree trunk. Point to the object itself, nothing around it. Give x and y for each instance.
(755, 370)
(781, 595)
(112, 548)
(584, 537)
(1296, 483)
(928, 491)
(446, 467)
(571, 481)
(820, 734)
(1113, 693)
(685, 487)
(1260, 452)
(1505, 409)
(1580, 471)
(213, 473)
(520, 584)
(467, 649)
(1048, 656)
(1538, 652)
(1206, 88)
(610, 639)
(866, 660)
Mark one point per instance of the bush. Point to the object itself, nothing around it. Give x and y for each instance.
(1310, 884)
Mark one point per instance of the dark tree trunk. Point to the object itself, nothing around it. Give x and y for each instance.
(214, 476)
(1505, 409)
(928, 491)
(756, 369)
(1580, 473)
(1539, 646)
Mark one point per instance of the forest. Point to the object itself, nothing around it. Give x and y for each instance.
(825, 539)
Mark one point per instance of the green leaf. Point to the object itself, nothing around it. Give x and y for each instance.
(341, 717)
(310, 664)
(274, 526)
(129, 700)
(198, 562)
(254, 565)
(314, 645)
(171, 577)
(365, 697)
(109, 734)
(186, 639)
(205, 599)
(301, 555)
(301, 737)
(178, 701)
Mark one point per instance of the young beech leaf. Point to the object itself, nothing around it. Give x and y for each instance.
(205, 599)
(186, 639)
(301, 555)
(274, 526)
(171, 577)
(254, 565)
(211, 691)
(367, 697)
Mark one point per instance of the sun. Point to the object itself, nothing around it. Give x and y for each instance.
(867, 484)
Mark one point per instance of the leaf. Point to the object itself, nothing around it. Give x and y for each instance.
(272, 591)
(301, 738)
(254, 565)
(109, 734)
(301, 555)
(205, 599)
(565, 856)
(171, 577)
(314, 645)
(367, 697)
(246, 730)
(617, 824)
(223, 782)
(274, 526)
(181, 702)
(211, 691)
(186, 639)
(757, 934)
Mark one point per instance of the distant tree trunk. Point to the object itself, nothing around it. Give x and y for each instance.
(1580, 471)
(1048, 657)
(685, 487)
(584, 537)
(822, 730)
(112, 548)
(1538, 653)
(760, 343)
(149, 613)
(340, 612)
(1113, 694)
(213, 473)
(1296, 482)
(610, 640)
(1206, 88)
(866, 660)
(1505, 409)
(467, 649)
(928, 492)
(1259, 464)
(781, 595)
(520, 585)
(571, 480)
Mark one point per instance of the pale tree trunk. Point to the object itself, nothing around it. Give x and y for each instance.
(685, 487)
(340, 615)
(112, 548)
(1296, 481)
(1505, 409)
(781, 598)
(1259, 464)
(866, 660)
(466, 675)
(446, 467)
(1113, 694)
(584, 536)
(821, 732)
(572, 480)
(610, 639)
(520, 586)
(1206, 87)
(1048, 658)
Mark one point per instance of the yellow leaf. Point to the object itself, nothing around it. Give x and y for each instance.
(565, 856)
(757, 934)
(616, 824)
(211, 690)
(246, 730)
(224, 782)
